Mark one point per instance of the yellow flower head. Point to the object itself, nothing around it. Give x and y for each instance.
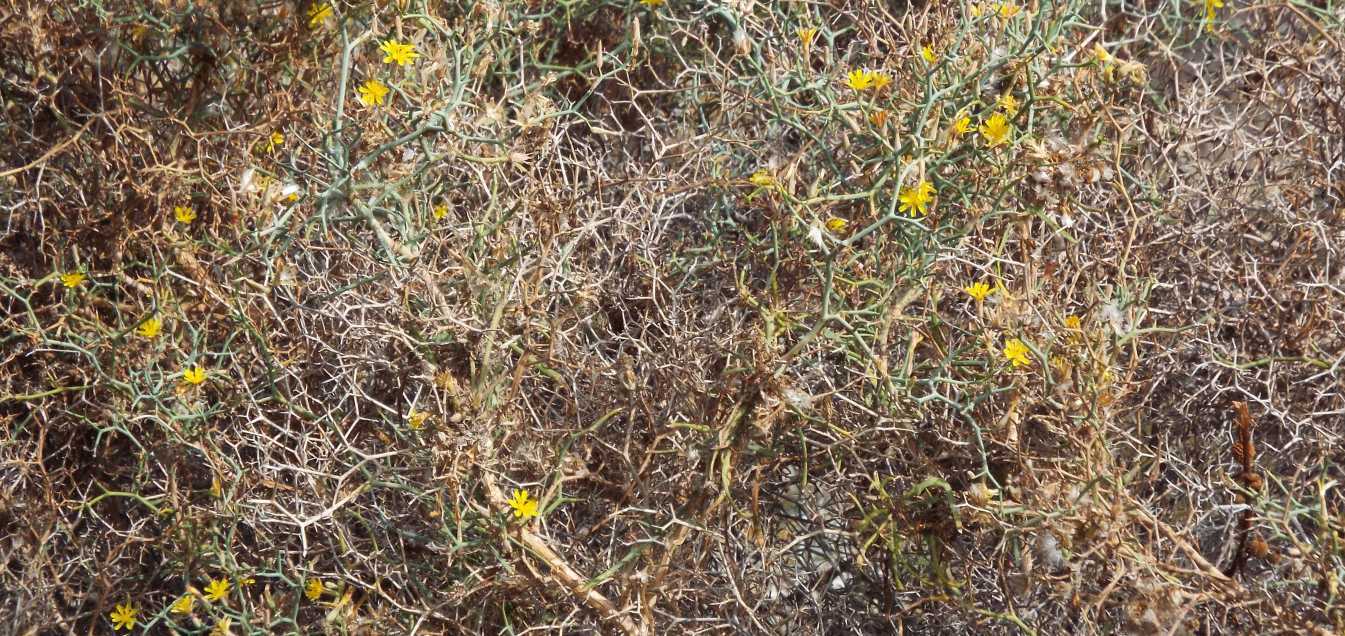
(193, 376)
(916, 198)
(1008, 10)
(184, 214)
(978, 290)
(72, 280)
(524, 508)
(1016, 352)
(416, 419)
(762, 178)
(276, 140)
(217, 589)
(1008, 104)
(440, 211)
(184, 605)
(860, 79)
(1210, 6)
(806, 37)
(928, 53)
(961, 125)
(837, 225)
(372, 92)
(394, 51)
(1073, 322)
(996, 129)
(317, 13)
(123, 617)
(149, 328)
(651, 3)
(1101, 55)
(313, 590)
(221, 627)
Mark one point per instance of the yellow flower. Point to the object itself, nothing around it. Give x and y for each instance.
(194, 375)
(762, 178)
(996, 129)
(313, 590)
(221, 628)
(1101, 54)
(247, 580)
(881, 80)
(184, 214)
(961, 126)
(184, 605)
(837, 225)
(860, 79)
(149, 328)
(978, 291)
(1073, 322)
(878, 118)
(916, 198)
(317, 12)
(928, 53)
(806, 37)
(217, 589)
(1210, 6)
(394, 51)
(440, 211)
(651, 3)
(1008, 10)
(72, 280)
(372, 92)
(123, 617)
(524, 508)
(1016, 352)
(1008, 104)
(417, 419)
(277, 140)
(216, 488)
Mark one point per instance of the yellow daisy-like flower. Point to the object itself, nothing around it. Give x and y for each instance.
(193, 376)
(524, 508)
(1073, 322)
(184, 214)
(916, 198)
(372, 92)
(276, 140)
(217, 589)
(221, 628)
(961, 125)
(440, 211)
(183, 605)
(313, 590)
(651, 3)
(978, 290)
(72, 280)
(881, 80)
(762, 178)
(416, 420)
(837, 225)
(1008, 103)
(123, 617)
(1008, 10)
(860, 79)
(928, 54)
(975, 10)
(401, 54)
(1016, 352)
(149, 328)
(996, 129)
(317, 13)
